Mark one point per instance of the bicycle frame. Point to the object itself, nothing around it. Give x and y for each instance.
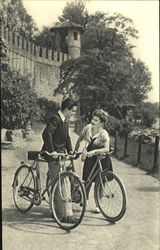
(36, 170)
(98, 171)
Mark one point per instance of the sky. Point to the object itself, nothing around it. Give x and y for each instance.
(145, 16)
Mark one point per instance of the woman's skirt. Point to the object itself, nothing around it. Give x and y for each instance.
(90, 161)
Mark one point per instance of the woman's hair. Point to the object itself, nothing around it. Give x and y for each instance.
(103, 115)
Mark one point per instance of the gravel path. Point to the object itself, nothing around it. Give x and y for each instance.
(138, 230)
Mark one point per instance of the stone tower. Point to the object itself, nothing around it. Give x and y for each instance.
(68, 38)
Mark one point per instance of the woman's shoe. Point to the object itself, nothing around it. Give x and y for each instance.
(97, 210)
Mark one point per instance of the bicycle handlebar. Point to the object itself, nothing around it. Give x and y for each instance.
(65, 155)
(76, 154)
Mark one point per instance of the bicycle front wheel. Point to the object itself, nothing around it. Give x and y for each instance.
(23, 188)
(68, 200)
(110, 196)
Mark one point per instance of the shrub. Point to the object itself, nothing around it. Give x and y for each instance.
(113, 125)
(18, 101)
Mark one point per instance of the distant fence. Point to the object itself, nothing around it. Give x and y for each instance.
(145, 155)
(138, 153)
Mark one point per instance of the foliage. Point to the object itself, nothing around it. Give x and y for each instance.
(45, 38)
(116, 77)
(140, 79)
(106, 34)
(75, 11)
(147, 112)
(4, 63)
(18, 101)
(47, 108)
(113, 125)
(109, 85)
(14, 15)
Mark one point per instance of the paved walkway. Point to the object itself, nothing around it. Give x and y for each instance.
(138, 229)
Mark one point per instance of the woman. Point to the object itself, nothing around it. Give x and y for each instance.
(97, 141)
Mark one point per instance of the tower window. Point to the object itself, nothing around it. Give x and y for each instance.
(75, 36)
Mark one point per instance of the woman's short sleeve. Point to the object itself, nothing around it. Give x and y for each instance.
(104, 137)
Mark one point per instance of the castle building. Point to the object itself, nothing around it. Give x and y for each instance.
(68, 38)
(41, 64)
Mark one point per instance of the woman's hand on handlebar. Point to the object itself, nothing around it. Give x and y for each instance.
(95, 152)
(91, 153)
(54, 154)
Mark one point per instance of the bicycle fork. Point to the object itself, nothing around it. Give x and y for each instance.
(103, 183)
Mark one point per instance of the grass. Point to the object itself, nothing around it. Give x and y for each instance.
(147, 154)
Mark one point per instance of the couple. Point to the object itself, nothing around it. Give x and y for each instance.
(56, 139)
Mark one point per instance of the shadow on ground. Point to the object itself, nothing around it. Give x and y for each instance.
(36, 221)
(148, 189)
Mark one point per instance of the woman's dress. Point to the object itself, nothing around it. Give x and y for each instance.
(96, 142)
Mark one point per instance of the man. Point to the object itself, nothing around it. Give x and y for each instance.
(56, 139)
(56, 136)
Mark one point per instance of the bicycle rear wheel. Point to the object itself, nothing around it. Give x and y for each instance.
(68, 200)
(110, 196)
(23, 188)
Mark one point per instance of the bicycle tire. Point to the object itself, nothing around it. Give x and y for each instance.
(108, 194)
(47, 182)
(68, 213)
(22, 188)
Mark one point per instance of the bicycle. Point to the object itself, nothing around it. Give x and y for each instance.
(109, 192)
(65, 188)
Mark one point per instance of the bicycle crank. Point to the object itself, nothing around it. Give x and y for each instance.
(37, 199)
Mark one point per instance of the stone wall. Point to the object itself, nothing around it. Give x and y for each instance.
(42, 64)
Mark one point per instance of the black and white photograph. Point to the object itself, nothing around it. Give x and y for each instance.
(80, 125)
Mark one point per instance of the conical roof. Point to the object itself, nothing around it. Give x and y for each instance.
(67, 24)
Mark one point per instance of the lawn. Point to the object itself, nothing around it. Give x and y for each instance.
(147, 154)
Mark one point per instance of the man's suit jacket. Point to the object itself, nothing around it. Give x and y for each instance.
(56, 136)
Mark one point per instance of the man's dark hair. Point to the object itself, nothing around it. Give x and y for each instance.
(68, 103)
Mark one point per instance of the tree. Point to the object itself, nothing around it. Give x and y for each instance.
(106, 33)
(140, 81)
(148, 112)
(45, 38)
(76, 12)
(116, 77)
(14, 15)
(109, 86)
(18, 101)
(73, 11)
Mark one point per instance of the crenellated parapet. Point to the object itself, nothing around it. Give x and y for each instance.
(41, 64)
(29, 49)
